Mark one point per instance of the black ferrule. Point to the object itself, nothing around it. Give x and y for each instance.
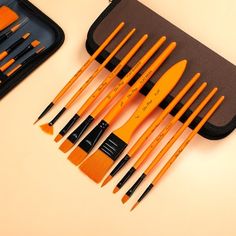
(48, 108)
(126, 178)
(23, 52)
(149, 188)
(69, 125)
(3, 38)
(136, 185)
(77, 133)
(15, 45)
(113, 146)
(93, 137)
(120, 165)
(57, 116)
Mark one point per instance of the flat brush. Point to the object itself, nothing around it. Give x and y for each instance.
(179, 151)
(101, 88)
(167, 147)
(77, 133)
(81, 71)
(11, 31)
(27, 49)
(97, 165)
(87, 144)
(146, 154)
(14, 46)
(48, 128)
(151, 129)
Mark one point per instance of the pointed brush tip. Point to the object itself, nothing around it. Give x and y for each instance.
(125, 199)
(116, 190)
(106, 181)
(134, 206)
(36, 122)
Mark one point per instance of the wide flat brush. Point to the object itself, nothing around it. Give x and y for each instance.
(151, 129)
(87, 144)
(146, 154)
(81, 71)
(101, 88)
(14, 46)
(167, 147)
(77, 133)
(13, 30)
(48, 128)
(180, 150)
(97, 165)
(27, 49)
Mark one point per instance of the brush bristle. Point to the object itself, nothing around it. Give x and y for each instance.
(134, 206)
(25, 36)
(125, 199)
(48, 129)
(58, 138)
(77, 156)
(116, 189)
(66, 146)
(35, 43)
(106, 181)
(96, 166)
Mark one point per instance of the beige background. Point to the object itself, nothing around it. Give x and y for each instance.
(42, 194)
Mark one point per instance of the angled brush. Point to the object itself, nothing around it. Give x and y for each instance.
(81, 71)
(97, 165)
(151, 129)
(180, 150)
(101, 88)
(143, 158)
(77, 133)
(87, 144)
(48, 128)
(27, 49)
(167, 147)
(14, 46)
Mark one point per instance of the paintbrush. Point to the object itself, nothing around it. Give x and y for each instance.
(87, 144)
(146, 154)
(48, 128)
(80, 72)
(166, 148)
(97, 165)
(151, 129)
(75, 135)
(101, 88)
(11, 31)
(180, 150)
(27, 49)
(14, 46)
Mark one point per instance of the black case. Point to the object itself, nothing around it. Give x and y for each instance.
(215, 70)
(41, 28)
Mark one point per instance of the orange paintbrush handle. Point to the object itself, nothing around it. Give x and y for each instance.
(7, 65)
(162, 116)
(165, 131)
(87, 64)
(180, 131)
(112, 75)
(187, 141)
(100, 68)
(14, 70)
(105, 102)
(134, 90)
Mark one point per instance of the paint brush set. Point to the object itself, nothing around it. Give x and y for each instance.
(95, 162)
(27, 38)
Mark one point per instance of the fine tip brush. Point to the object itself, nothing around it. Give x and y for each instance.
(146, 154)
(48, 127)
(74, 136)
(151, 129)
(167, 147)
(97, 165)
(179, 151)
(101, 88)
(15, 45)
(81, 71)
(27, 49)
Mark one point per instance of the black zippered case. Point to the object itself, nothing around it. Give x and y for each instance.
(215, 70)
(42, 28)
